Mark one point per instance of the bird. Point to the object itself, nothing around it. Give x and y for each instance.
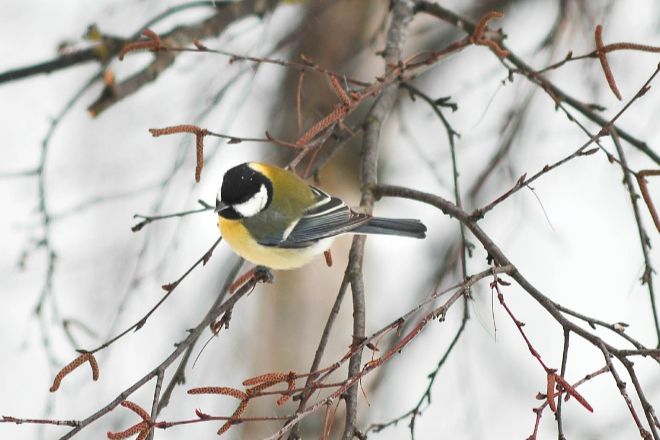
(273, 218)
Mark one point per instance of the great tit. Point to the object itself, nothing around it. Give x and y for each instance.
(272, 218)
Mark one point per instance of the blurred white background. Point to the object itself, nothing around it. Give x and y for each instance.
(574, 238)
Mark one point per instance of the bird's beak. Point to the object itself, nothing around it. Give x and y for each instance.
(220, 205)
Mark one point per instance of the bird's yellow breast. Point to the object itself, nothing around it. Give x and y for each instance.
(238, 238)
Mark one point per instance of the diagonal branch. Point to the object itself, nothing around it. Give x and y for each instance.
(550, 306)
(215, 310)
(469, 27)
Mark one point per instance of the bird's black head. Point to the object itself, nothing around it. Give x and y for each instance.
(244, 192)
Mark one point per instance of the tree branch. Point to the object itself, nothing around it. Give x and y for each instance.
(402, 13)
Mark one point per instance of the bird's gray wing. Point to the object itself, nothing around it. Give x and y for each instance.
(328, 217)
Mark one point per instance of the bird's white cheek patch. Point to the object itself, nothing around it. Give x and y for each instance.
(254, 205)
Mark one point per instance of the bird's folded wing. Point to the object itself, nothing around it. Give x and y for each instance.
(328, 217)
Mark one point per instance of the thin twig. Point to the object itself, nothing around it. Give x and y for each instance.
(500, 259)
(525, 181)
(169, 288)
(647, 276)
(215, 310)
(562, 373)
(555, 93)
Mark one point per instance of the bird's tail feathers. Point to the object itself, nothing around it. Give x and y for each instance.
(404, 227)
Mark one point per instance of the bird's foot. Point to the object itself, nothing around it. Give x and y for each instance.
(258, 274)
